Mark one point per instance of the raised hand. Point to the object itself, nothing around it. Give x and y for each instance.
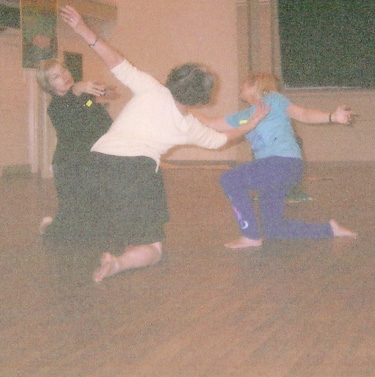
(110, 93)
(89, 87)
(72, 18)
(96, 89)
(107, 53)
(260, 112)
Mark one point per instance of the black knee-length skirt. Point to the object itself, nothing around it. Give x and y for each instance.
(129, 198)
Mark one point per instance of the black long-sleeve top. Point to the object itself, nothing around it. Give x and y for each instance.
(79, 122)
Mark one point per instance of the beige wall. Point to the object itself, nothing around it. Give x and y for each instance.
(14, 95)
(160, 34)
(156, 36)
(335, 142)
(322, 142)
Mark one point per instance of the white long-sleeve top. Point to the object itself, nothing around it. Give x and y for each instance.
(150, 123)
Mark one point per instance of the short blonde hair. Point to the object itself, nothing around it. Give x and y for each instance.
(265, 82)
(42, 74)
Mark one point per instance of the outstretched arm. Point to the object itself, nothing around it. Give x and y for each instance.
(110, 56)
(220, 124)
(260, 112)
(305, 115)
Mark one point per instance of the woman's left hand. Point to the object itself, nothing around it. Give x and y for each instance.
(102, 91)
(89, 87)
(342, 115)
(71, 17)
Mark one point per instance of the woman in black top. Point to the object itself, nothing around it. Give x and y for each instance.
(79, 121)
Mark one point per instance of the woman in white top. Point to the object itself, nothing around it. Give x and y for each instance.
(127, 176)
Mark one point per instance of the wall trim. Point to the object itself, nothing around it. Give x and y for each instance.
(16, 171)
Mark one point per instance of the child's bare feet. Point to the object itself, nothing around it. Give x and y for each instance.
(108, 267)
(44, 224)
(339, 231)
(243, 242)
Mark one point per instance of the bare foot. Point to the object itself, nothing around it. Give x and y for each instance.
(109, 266)
(243, 242)
(44, 224)
(339, 231)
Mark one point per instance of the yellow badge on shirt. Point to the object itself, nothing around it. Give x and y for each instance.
(89, 103)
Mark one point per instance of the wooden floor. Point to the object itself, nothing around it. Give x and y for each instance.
(290, 308)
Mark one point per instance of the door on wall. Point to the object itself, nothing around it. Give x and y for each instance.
(14, 103)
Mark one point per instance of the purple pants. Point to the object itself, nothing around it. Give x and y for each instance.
(272, 177)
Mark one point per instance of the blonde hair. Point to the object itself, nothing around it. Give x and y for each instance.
(265, 82)
(42, 74)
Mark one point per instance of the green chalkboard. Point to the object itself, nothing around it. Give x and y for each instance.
(327, 43)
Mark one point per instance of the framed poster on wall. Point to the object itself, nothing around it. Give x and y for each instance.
(73, 62)
(39, 31)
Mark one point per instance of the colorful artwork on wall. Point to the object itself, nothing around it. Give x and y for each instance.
(39, 31)
(73, 62)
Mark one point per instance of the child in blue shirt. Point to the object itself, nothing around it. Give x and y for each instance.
(276, 168)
